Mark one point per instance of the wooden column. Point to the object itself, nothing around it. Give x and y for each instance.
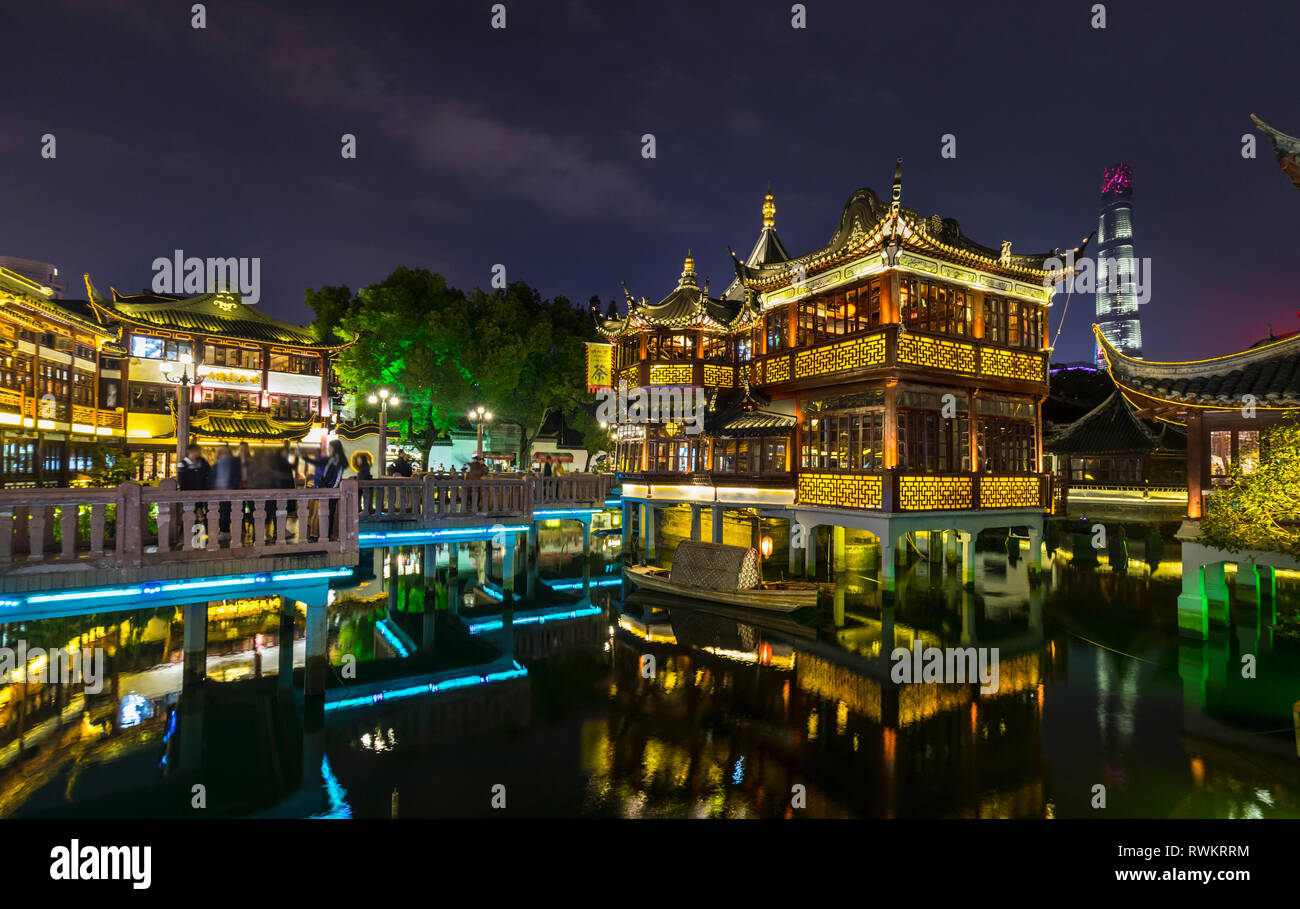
(890, 453)
(976, 298)
(1196, 452)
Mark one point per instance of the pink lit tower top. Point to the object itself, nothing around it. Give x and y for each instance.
(1117, 297)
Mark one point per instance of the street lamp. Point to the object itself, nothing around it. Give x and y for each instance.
(184, 381)
(480, 417)
(383, 398)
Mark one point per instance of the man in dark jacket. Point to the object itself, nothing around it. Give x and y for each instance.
(402, 466)
(193, 472)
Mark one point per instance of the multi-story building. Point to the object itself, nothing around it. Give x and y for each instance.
(55, 406)
(76, 375)
(1117, 290)
(259, 380)
(890, 382)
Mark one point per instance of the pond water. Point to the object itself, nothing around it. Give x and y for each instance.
(739, 715)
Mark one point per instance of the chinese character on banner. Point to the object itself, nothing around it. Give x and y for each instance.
(600, 366)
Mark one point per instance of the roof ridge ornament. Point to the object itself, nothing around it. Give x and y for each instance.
(769, 209)
(895, 206)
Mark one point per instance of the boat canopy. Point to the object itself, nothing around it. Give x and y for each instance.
(714, 566)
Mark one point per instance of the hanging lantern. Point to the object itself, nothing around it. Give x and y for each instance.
(765, 547)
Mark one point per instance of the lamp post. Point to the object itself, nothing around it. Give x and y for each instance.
(480, 417)
(183, 381)
(383, 398)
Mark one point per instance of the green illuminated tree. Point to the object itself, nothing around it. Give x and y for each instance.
(412, 334)
(1260, 510)
(442, 351)
(529, 359)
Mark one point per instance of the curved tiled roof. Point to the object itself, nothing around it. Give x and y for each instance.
(1111, 428)
(867, 222)
(233, 424)
(686, 306)
(1271, 374)
(755, 423)
(222, 314)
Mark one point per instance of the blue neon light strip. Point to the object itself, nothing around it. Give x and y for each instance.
(338, 796)
(578, 585)
(613, 503)
(436, 534)
(393, 640)
(395, 694)
(155, 587)
(566, 512)
(533, 619)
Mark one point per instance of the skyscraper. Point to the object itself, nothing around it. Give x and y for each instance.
(1117, 291)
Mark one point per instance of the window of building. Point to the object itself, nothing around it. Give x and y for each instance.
(1220, 452)
(777, 328)
(229, 399)
(930, 306)
(150, 348)
(238, 357)
(664, 345)
(838, 313)
(744, 347)
(1248, 450)
(293, 407)
(150, 398)
(295, 363)
(715, 347)
(16, 373)
(844, 440)
(627, 352)
(763, 455)
(1015, 323)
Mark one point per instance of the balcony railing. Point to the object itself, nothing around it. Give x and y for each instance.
(130, 526)
(891, 348)
(901, 490)
(430, 498)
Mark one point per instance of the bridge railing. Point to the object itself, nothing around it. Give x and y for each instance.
(133, 525)
(427, 498)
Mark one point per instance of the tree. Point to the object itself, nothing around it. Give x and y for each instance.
(412, 332)
(1260, 510)
(442, 351)
(529, 359)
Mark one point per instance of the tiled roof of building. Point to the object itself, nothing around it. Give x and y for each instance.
(687, 306)
(221, 314)
(1270, 374)
(1285, 148)
(1113, 428)
(754, 423)
(868, 223)
(76, 313)
(236, 425)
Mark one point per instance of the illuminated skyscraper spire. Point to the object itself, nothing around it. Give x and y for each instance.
(1117, 292)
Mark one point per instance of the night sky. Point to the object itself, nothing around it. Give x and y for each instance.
(522, 146)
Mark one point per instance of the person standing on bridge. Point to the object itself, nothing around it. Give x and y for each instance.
(402, 466)
(227, 474)
(334, 467)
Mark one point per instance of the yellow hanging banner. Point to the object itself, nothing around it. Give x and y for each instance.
(600, 366)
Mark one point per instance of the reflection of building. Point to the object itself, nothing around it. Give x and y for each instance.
(1117, 297)
(264, 381)
(56, 400)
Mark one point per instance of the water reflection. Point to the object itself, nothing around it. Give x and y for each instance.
(738, 715)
